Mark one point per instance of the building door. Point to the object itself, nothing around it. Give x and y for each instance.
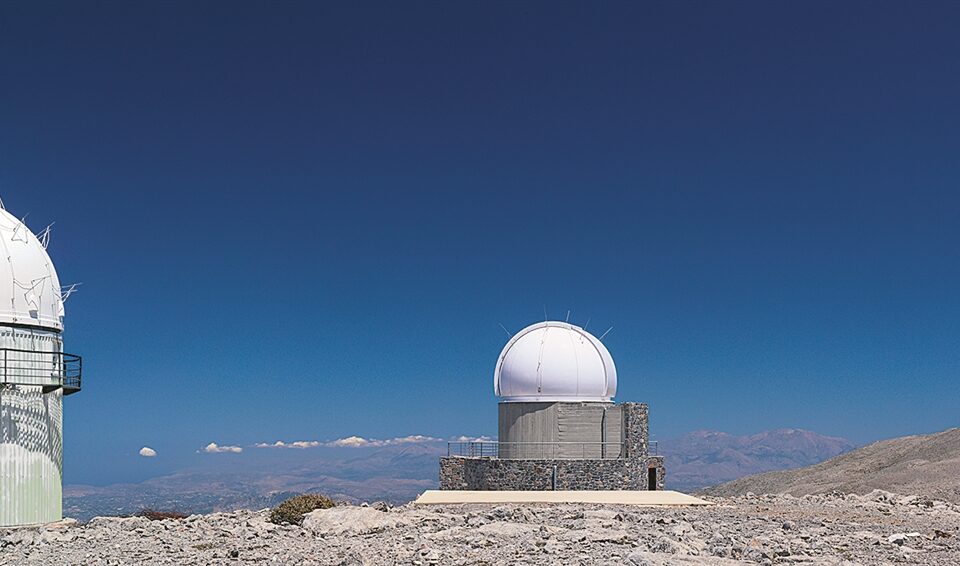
(652, 479)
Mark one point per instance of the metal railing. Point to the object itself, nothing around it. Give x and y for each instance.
(543, 450)
(51, 370)
(538, 450)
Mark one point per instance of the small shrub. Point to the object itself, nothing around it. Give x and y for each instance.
(155, 515)
(292, 510)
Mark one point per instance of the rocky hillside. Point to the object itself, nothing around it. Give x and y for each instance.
(818, 530)
(927, 465)
(707, 457)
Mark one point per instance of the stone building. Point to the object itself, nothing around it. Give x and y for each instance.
(559, 428)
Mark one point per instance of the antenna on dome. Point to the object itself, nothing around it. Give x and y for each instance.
(605, 333)
(32, 286)
(65, 292)
(545, 313)
(582, 336)
(568, 316)
(44, 236)
(22, 224)
(505, 330)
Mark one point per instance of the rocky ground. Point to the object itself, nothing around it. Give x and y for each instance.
(831, 529)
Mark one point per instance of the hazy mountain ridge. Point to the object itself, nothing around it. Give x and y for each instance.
(706, 457)
(926, 465)
(399, 473)
(395, 474)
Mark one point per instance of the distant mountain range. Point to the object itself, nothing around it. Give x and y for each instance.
(395, 474)
(926, 465)
(398, 473)
(707, 457)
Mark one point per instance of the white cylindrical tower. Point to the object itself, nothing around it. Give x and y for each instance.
(35, 374)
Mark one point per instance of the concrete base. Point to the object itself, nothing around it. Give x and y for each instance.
(643, 498)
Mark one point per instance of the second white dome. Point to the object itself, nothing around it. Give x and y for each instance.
(555, 361)
(29, 287)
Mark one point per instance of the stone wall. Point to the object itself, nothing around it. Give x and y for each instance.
(636, 428)
(494, 474)
(453, 473)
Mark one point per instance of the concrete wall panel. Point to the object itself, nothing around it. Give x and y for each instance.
(31, 436)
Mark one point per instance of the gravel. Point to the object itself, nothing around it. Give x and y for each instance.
(825, 529)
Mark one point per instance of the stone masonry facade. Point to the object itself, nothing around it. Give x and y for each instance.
(631, 472)
(493, 474)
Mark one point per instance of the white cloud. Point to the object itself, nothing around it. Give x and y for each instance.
(350, 442)
(214, 448)
(295, 444)
(304, 444)
(472, 439)
(415, 439)
(358, 441)
(148, 452)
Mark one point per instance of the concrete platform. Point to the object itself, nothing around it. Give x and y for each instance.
(643, 498)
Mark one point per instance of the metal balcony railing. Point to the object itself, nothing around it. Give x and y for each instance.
(50, 370)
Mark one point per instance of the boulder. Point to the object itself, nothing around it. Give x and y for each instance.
(349, 520)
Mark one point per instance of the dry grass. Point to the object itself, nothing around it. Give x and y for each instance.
(156, 515)
(292, 510)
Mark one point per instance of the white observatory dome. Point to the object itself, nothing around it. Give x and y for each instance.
(29, 287)
(554, 361)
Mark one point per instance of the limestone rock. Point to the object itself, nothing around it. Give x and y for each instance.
(348, 520)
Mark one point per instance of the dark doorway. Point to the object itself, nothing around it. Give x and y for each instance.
(652, 479)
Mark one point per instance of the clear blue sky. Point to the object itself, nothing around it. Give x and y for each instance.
(306, 220)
